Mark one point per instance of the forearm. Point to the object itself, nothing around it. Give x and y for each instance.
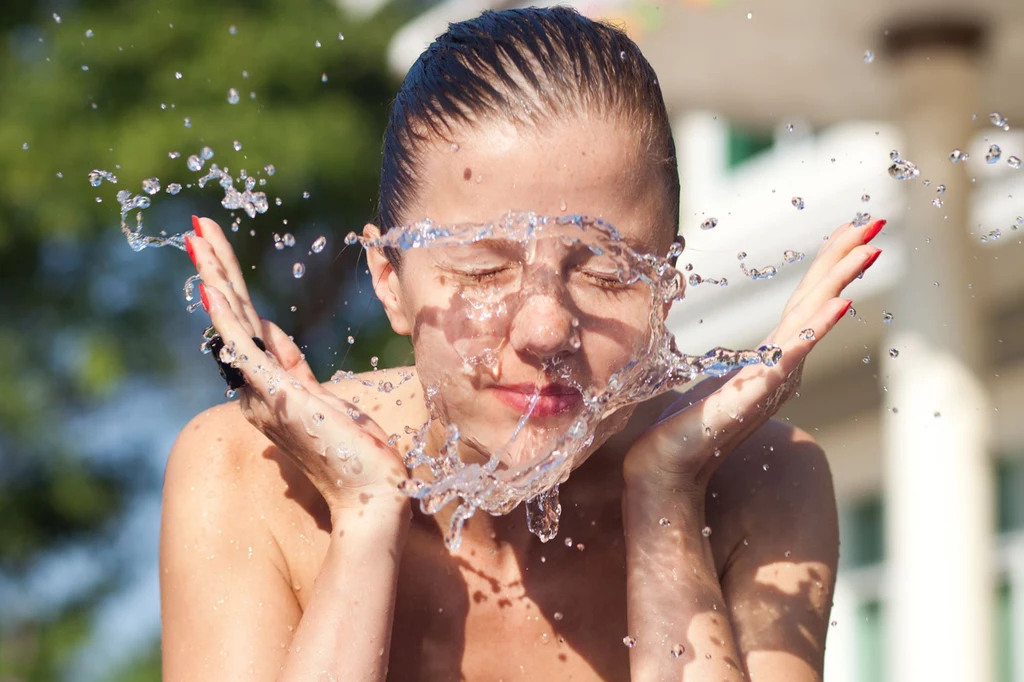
(346, 627)
(674, 598)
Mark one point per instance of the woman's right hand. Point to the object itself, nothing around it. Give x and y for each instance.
(342, 452)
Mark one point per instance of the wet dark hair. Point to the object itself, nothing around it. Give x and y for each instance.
(525, 66)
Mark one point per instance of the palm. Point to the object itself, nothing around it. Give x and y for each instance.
(688, 444)
(339, 449)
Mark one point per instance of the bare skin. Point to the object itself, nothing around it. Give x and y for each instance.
(491, 610)
(280, 563)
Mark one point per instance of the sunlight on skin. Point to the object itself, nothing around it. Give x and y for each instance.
(788, 577)
(778, 666)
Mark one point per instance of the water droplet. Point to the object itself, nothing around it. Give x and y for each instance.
(789, 127)
(706, 531)
(341, 37)
(298, 270)
(807, 334)
(317, 43)
(861, 219)
(557, 615)
(798, 202)
(677, 650)
(869, 56)
(194, 163)
(663, 521)
(232, 96)
(956, 156)
(305, 195)
(351, 238)
(887, 317)
(630, 642)
(1013, 162)
(941, 189)
(318, 244)
(865, 198)
(288, 239)
(318, 418)
(351, 340)
(741, 255)
(269, 169)
(232, 29)
(89, 33)
(237, 146)
(709, 224)
(151, 185)
(56, 17)
(323, 77)
(96, 178)
(173, 188)
(994, 153)
(937, 202)
(866, 359)
(997, 119)
(373, 361)
(206, 153)
(790, 256)
(893, 353)
(903, 170)
(852, 312)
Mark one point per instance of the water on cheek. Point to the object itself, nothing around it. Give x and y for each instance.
(476, 320)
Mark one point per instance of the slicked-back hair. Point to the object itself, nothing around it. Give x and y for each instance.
(528, 67)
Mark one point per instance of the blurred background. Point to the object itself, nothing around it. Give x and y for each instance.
(791, 117)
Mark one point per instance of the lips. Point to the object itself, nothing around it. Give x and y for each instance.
(553, 399)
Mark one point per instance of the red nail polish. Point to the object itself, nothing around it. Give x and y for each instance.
(873, 231)
(871, 259)
(203, 298)
(188, 249)
(843, 311)
(196, 226)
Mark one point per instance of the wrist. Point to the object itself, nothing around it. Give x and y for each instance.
(374, 520)
(659, 509)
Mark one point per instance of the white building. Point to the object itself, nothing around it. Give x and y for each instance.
(926, 448)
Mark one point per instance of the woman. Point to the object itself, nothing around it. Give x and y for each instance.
(700, 543)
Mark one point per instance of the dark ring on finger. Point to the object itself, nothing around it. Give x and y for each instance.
(232, 375)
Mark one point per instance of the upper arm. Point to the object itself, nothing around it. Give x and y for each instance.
(778, 573)
(227, 609)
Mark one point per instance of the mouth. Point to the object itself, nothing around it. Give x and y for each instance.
(552, 399)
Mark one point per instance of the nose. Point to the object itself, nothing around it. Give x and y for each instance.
(543, 328)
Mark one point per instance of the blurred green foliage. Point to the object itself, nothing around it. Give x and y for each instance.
(85, 321)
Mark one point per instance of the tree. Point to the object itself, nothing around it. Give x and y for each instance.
(88, 326)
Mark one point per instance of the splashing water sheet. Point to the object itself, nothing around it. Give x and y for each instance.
(527, 463)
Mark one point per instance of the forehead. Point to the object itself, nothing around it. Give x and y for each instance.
(582, 167)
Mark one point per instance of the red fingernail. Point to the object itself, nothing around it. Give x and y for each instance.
(188, 248)
(196, 226)
(844, 310)
(871, 259)
(203, 298)
(873, 231)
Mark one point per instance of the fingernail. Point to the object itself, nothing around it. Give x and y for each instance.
(871, 259)
(188, 249)
(203, 298)
(843, 311)
(873, 231)
(196, 226)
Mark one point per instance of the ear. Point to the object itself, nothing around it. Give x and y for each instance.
(386, 284)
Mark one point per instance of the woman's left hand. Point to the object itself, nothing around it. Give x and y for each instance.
(685, 447)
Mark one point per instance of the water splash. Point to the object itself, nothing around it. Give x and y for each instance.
(534, 460)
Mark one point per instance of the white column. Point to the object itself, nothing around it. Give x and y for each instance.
(939, 492)
(702, 151)
(841, 659)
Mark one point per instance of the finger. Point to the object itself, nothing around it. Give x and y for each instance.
(287, 353)
(212, 272)
(833, 284)
(840, 244)
(212, 233)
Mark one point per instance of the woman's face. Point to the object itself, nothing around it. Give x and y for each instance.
(497, 321)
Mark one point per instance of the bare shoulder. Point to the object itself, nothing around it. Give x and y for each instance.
(778, 478)
(776, 544)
